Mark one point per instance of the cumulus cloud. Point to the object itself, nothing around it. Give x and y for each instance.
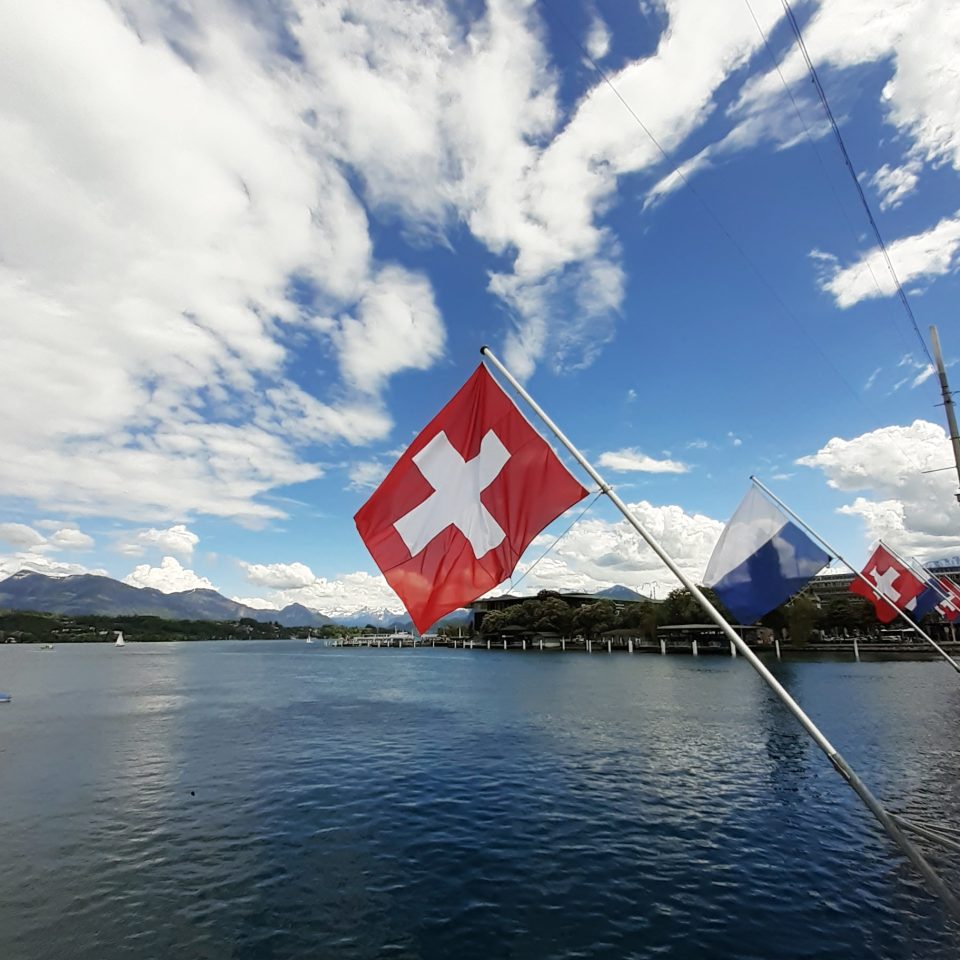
(169, 577)
(912, 510)
(70, 538)
(176, 540)
(341, 596)
(279, 576)
(25, 538)
(597, 553)
(630, 460)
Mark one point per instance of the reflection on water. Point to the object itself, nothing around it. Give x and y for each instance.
(276, 800)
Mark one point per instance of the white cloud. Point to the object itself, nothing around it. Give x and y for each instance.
(915, 512)
(597, 554)
(598, 39)
(169, 577)
(894, 184)
(176, 540)
(734, 439)
(24, 537)
(629, 460)
(933, 253)
(555, 227)
(21, 536)
(38, 563)
(339, 597)
(279, 576)
(70, 538)
(366, 474)
(397, 327)
(153, 229)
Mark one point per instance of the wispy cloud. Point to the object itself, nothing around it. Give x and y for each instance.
(631, 460)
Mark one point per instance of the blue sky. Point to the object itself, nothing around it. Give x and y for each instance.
(250, 248)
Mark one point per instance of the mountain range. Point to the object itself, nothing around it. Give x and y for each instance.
(91, 595)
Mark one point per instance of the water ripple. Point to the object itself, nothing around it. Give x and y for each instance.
(277, 801)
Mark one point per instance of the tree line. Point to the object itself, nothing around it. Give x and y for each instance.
(801, 617)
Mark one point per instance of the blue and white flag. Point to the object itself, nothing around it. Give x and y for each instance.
(921, 605)
(761, 559)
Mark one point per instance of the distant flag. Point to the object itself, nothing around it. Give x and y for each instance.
(761, 559)
(949, 607)
(925, 601)
(454, 515)
(895, 583)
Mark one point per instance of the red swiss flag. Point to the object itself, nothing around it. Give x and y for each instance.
(949, 608)
(453, 516)
(892, 579)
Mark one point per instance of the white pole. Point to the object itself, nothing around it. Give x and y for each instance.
(776, 643)
(934, 882)
(943, 653)
(856, 649)
(947, 400)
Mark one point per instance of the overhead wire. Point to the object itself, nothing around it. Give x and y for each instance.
(685, 180)
(901, 293)
(516, 583)
(816, 151)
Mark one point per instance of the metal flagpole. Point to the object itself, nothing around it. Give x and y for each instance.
(947, 400)
(857, 573)
(933, 881)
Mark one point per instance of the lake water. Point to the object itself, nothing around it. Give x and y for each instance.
(279, 800)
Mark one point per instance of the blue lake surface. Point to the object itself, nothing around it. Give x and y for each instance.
(280, 800)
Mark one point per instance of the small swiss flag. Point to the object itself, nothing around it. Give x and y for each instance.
(949, 608)
(454, 515)
(893, 580)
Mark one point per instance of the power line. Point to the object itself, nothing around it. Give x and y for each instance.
(516, 583)
(901, 293)
(816, 150)
(685, 180)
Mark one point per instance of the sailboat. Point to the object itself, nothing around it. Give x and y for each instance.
(119, 642)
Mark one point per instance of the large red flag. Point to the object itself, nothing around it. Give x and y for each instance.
(453, 516)
(949, 608)
(893, 580)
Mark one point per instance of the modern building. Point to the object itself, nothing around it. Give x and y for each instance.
(829, 586)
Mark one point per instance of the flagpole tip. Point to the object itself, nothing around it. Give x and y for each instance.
(484, 350)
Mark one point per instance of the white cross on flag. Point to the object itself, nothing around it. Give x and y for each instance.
(949, 609)
(893, 580)
(454, 515)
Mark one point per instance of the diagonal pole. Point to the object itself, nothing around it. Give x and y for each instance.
(857, 573)
(934, 883)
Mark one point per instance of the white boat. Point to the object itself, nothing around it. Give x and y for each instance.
(46, 646)
(119, 642)
(309, 640)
